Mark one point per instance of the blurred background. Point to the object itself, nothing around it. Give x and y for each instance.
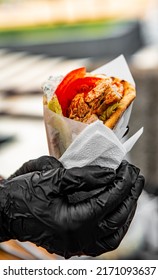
(43, 38)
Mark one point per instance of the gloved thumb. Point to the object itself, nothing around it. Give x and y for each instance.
(42, 163)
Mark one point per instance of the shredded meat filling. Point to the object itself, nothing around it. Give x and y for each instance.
(95, 103)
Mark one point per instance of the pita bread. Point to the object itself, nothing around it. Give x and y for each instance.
(128, 97)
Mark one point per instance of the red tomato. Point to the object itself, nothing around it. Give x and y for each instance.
(70, 77)
(73, 83)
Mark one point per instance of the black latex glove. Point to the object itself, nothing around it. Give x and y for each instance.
(69, 212)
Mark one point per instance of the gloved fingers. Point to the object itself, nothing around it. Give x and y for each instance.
(82, 215)
(110, 243)
(86, 179)
(42, 163)
(126, 174)
(138, 187)
(114, 221)
(89, 178)
(107, 201)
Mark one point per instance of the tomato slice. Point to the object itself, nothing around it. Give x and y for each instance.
(69, 78)
(73, 83)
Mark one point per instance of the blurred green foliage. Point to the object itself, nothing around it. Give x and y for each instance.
(60, 32)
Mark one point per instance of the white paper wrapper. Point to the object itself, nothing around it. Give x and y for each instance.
(97, 145)
(78, 144)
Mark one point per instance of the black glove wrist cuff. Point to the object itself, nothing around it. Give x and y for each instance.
(4, 234)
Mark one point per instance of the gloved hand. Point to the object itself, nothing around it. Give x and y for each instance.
(69, 212)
